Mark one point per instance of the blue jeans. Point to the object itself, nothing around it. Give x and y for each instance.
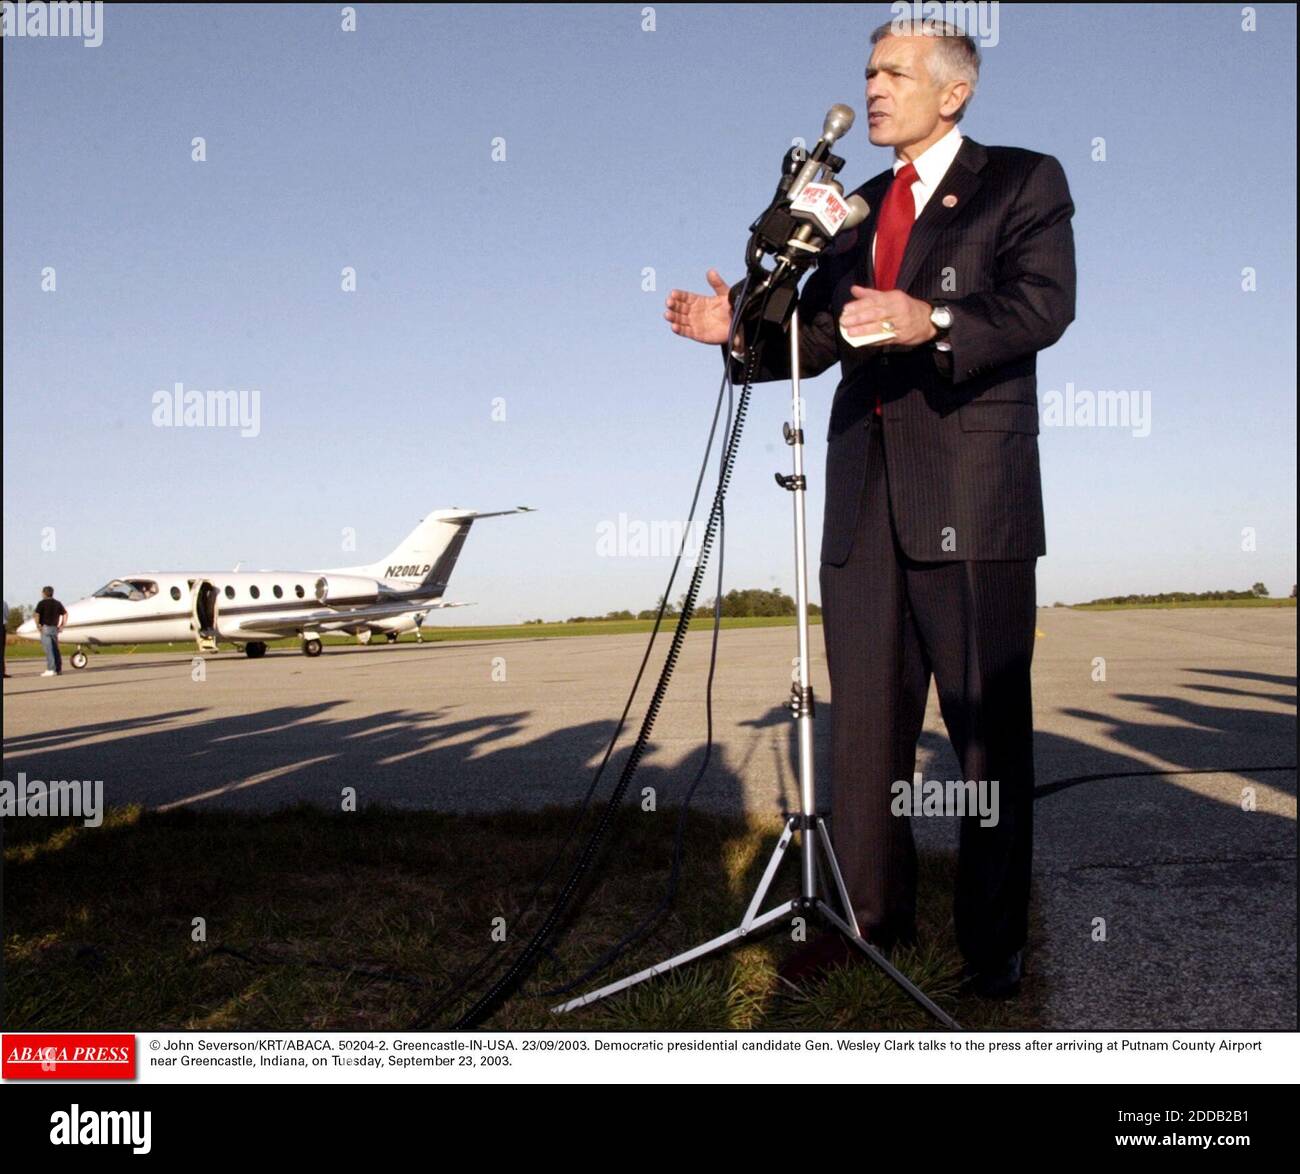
(50, 642)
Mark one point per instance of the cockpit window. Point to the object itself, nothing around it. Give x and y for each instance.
(129, 589)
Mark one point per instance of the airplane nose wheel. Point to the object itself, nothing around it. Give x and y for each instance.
(78, 659)
(311, 647)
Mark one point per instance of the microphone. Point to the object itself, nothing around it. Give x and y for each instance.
(838, 121)
(859, 210)
(836, 124)
(809, 203)
(825, 213)
(808, 210)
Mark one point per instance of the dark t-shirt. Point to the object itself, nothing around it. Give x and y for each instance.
(48, 612)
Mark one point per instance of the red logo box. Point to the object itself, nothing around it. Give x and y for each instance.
(68, 1056)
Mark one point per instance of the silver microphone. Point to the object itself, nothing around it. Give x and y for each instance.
(839, 118)
(859, 210)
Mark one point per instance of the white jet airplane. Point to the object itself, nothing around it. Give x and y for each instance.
(249, 608)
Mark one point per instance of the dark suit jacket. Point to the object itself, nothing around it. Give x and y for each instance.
(960, 427)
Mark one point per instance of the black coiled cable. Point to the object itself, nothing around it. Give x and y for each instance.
(504, 986)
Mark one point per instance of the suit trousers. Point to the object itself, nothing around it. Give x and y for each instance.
(890, 623)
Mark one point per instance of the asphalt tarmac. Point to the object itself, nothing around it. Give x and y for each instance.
(1165, 841)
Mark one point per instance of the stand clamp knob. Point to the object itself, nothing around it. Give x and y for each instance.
(801, 701)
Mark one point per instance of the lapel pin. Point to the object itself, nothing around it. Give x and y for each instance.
(950, 201)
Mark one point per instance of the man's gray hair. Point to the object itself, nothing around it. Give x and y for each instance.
(955, 58)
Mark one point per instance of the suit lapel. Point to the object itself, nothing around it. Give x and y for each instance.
(947, 202)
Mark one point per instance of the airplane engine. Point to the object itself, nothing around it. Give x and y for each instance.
(347, 590)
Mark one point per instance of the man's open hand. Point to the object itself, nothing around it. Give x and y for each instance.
(873, 310)
(698, 316)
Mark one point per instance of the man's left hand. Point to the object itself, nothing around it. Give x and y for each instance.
(875, 309)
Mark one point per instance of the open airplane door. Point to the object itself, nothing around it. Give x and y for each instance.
(204, 601)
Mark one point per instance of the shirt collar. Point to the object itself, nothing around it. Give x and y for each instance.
(933, 163)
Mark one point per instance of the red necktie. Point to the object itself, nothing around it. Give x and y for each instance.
(897, 214)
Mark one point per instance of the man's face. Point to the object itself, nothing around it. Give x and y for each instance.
(903, 103)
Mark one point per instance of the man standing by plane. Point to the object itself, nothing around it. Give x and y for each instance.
(933, 519)
(51, 615)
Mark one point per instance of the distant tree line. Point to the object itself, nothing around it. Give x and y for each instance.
(1258, 591)
(752, 601)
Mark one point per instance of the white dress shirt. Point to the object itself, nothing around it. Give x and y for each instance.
(931, 166)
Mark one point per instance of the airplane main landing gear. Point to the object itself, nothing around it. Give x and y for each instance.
(312, 646)
(254, 648)
(392, 637)
(78, 659)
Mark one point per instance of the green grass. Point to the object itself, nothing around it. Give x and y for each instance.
(363, 921)
(1184, 604)
(434, 635)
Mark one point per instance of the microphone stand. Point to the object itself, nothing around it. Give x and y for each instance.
(816, 849)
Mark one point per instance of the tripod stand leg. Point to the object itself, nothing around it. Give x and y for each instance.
(848, 926)
(751, 920)
(726, 939)
(880, 960)
(824, 838)
(773, 863)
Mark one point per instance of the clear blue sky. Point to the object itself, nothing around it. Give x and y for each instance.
(522, 279)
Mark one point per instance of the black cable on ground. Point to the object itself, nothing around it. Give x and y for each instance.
(351, 969)
(1044, 789)
(619, 948)
(518, 970)
(491, 956)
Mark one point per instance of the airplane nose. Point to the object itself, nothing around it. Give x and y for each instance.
(26, 630)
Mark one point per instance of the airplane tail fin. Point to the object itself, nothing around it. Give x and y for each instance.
(425, 558)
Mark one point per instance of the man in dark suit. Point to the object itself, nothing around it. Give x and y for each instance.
(934, 516)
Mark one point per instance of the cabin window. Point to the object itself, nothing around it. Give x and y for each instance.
(277, 591)
(255, 593)
(230, 591)
(297, 590)
(176, 593)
